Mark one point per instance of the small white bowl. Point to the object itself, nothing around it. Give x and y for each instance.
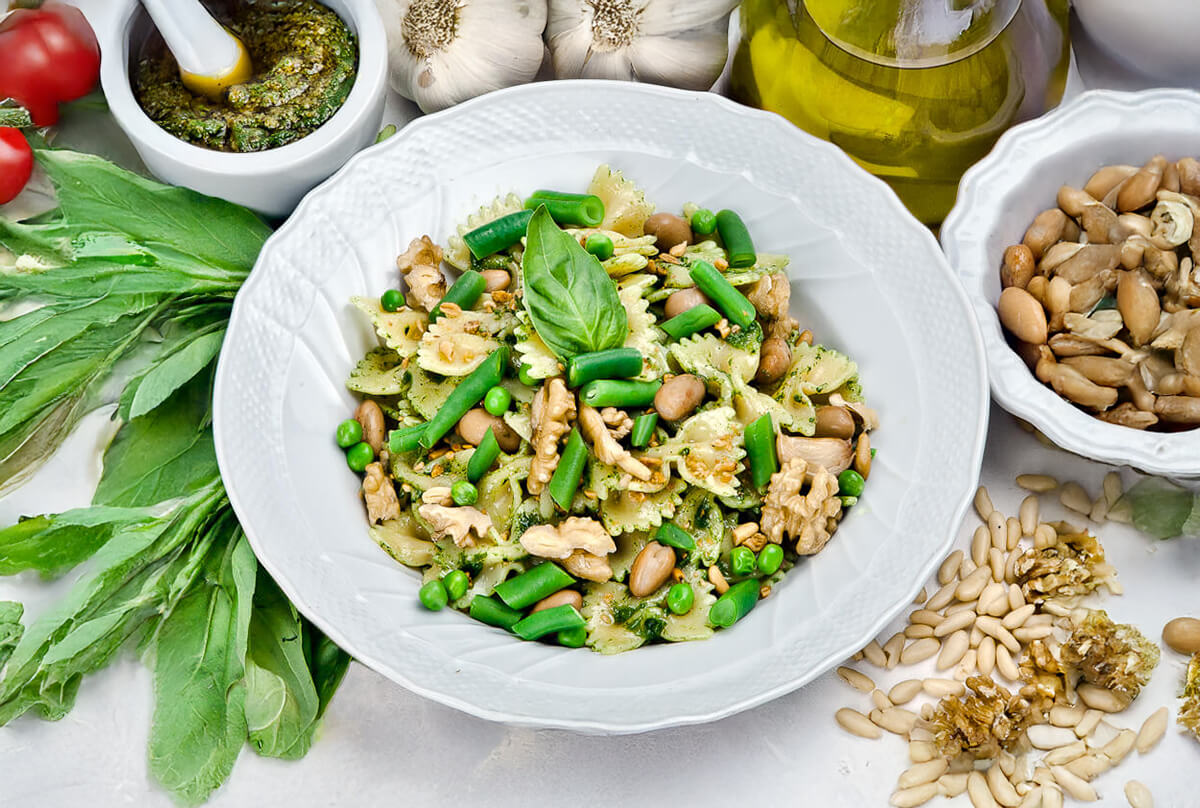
(998, 198)
(270, 182)
(1155, 37)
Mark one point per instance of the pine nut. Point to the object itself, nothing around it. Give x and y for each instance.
(1017, 617)
(981, 541)
(1100, 699)
(925, 617)
(976, 636)
(880, 700)
(1089, 722)
(983, 504)
(955, 622)
(968, 666)
(919, 651)
(1138, 795)
(949, 568)
(922, 773)
(1045, 736)
(1033, 798)
(1001, 789)
(874, 654)
(1119, 747)
(998, 530)
(967, 606)
(1065, 754)
(1037, 483)
(942, 598)
(917, 795)
(1089, 767)
(1007, 762)
(1101, 735)
(856, 723)
(1114, 586)
(920, 734)
(905, 691)
(1062, 715)
(1014, 533)
(996, 559)
(996, 630)
(993, 601)
(1005, 664)
(1074, 496)
(926, 713)
(986, 655)
(973, 584)
(918, 632)
(978, 791)
(859, 681)
(1152, 731)
(1040, 620)
(1044, 777)
(940, 688)
(892, 648)
(1076, 787)
(1045, 536)
(1112, 488)
(1099, 512)
(1051, 797)
(921, 597)
(1028, 515)
(1010, 568)
(1028, 634)
(896, 720)
(922, 751)
(966, 567)
(1120, 511)
(952, 785)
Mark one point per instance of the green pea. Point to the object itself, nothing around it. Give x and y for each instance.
(434, 596)
(391, 300)
(359, 456)
(704, 222)
(464, 493)
(742, 561)
(850, 483)
(349, 432)
(497, 400)
(769, 559)
(600, 246)
(524, 377)
(456, 583)
(680, 598)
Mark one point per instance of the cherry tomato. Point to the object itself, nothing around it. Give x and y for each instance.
(16, 163)
(48, 55)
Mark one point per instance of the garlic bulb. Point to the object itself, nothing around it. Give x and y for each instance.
(683, 43)
(441, 52)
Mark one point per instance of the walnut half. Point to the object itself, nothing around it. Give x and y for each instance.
(581, 544)
(457, 523)
(421, 266)
(379, 493)
(607, 449)
(552, 412)
(810, 516)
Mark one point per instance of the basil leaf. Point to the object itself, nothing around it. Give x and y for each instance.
(174, 370)
(1159, 508)
(10, 628)
(570, 298)
(56, 543)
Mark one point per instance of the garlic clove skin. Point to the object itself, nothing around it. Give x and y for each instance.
(442, 52)
(689, 62)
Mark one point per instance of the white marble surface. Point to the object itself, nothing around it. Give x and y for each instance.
(381, 745)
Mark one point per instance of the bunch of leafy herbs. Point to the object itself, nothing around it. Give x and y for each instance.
(123, 292)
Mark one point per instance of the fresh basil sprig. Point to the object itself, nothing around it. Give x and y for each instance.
(570, 298)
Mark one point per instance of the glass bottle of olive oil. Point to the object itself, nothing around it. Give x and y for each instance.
(914, 90)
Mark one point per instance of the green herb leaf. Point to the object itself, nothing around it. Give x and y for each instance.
(16, 117)
(570, 298)
(10, 628)
(54, 544)
(327, 662)
(1159, 508)
(168, 375)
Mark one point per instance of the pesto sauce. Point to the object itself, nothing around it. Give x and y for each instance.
(305, 61)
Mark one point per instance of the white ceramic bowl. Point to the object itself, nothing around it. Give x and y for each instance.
(998, 198)
(867, 278)
(1154, 37)
(270, 182)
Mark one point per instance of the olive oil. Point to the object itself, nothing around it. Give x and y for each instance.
(914, 90)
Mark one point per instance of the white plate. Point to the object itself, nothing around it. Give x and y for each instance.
(998, 198)
(868, 279)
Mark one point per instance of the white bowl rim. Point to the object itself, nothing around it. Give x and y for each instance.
(609, 727)
(1014, 387)
(369, 79)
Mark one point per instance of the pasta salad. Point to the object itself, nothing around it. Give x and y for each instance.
(607, 430)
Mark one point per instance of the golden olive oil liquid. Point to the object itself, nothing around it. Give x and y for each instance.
(915, 113)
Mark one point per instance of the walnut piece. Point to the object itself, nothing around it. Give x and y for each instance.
(1043, 676)
(1189, 711)
(380, 495)
(618, 421)
(607, 449)
(438, 495)
(421, 266)
(561, 540)
(771, 295)
(1071, 568)
(987, 720)
(457, 523)
(808, 517)
(1114, 656)
(552, 412)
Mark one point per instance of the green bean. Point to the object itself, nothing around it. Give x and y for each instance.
(760, 446)
(549, 621)
(737, 239)
(497, 400)
(359, 456)
(769, 559)
(599, 245)
(735, 604)
(613, 363)
(584, 210)
(498, 235)
(742, 561)
(463, 492)
(680, 597)
(569, 471)
(406, 438)
(532, 585)
(456, 583)
(349, 432)
(622, 393)
(697, 318)
(464, 293)
(643, 429)
(704, 222)
(672, 535)
(524, 378)
(391, 300)
(572, 637)
(851, 483)
(493, 612)
(470, 390)
(433, 595)
(483, 457)
(732, 303)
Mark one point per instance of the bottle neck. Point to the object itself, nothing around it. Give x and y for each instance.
(911, 33)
